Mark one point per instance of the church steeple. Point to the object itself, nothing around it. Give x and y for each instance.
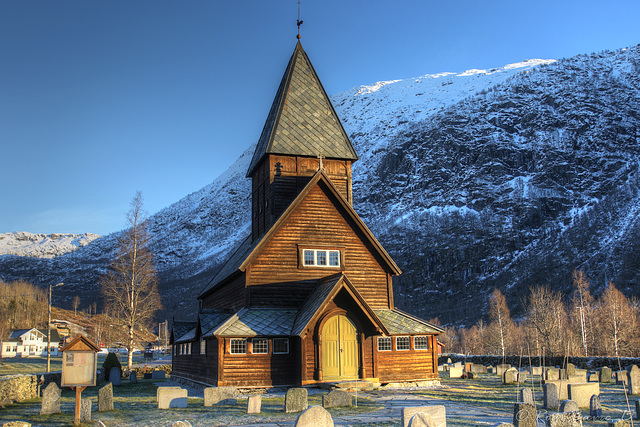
(302, 131)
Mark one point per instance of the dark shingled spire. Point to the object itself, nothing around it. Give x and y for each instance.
(302, 121)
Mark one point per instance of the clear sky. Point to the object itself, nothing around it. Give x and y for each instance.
(99, 99)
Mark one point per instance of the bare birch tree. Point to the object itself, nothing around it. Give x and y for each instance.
(618, 323)
(546, 313)
(130, 288)
(581, 311)
(501, 316)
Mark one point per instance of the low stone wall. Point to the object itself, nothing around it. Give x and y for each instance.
(16, 388)
(579, 362)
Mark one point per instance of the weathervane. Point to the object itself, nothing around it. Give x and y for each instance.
(299, 21)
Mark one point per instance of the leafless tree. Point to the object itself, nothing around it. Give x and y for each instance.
(582, 307)
(130, 287)
(547, 315)
(501, 318)
(76, 304)
(618, 323)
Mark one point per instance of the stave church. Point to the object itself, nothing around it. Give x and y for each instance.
(307, 297)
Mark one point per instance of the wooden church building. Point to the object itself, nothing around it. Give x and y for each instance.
(307, 297)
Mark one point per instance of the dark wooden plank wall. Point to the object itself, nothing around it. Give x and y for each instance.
(229, 295)
(282, 295)
(405, 365)
(196, 366)
(318, 222)
(259, 369)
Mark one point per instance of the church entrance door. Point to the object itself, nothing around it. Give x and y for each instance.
(339, 349)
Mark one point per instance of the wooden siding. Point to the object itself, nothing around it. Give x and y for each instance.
(230, 294)
(405, 365)
(318, 222)
(281, 295)
(196, 366)
(259, 369)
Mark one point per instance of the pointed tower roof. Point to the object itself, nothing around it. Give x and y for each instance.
(302, 121)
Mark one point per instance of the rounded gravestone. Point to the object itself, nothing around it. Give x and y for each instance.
(422, 419)
(115, 375)
(296, 400)
(316, 416)
(569, 406)
(181, 424)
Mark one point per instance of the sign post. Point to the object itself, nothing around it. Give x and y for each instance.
(79, 368)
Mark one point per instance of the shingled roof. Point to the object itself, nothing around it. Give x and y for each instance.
(302, 120)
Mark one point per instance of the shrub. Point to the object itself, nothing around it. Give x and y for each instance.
(110, 362)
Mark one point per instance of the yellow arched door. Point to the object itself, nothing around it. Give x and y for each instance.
(339, 349)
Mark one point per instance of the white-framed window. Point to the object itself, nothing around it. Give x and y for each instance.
(384, 343)
(203, 346)
(421, 343)
(321, 258)
(259, 345)
(189, 348)
(403, 343)
(238, 346)
(281, 346)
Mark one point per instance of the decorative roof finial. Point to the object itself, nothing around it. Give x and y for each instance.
(298, 22)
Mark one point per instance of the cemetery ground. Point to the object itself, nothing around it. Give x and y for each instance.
(468, 402)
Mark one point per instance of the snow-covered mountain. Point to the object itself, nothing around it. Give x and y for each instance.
(508, 177)
(22, 243)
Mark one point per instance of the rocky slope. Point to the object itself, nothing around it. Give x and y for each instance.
(508, 177)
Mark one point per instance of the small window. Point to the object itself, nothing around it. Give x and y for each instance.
(421, 343)
(260, 346)
(321, 258)
(203, 346)
(239, 346)
(188, 348)
(402, 343)
(281, 346)
(384, 343)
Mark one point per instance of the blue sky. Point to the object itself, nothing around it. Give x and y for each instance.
(99, 99)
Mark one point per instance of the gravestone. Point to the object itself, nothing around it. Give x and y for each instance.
(621, 377)
(605, 374)
(448, 360)
(564, 419)
(478, 369)
(581, 393)
(571, 370)
(595, 406)
(634, 379)
(593, 377)
(158, 375)
(510, 376)
(618, 423)
(146, 376)
(501, 369)
(181, 424)
(525, 395)
(550, 396)
(172, 397)
(316, 416)
(105, 398)
(524, 415)
(552, 374)
(296, 400)
(16, 424)
(336, 398)
(455, 372)
(437, 412)
(472, 375)
(569, 406)
(536, 370)
(422, 419)
(133, 377)
(226, 395)
(164, 388)
(254, 404)
(85, 410)
(115, 375)
(51, 400)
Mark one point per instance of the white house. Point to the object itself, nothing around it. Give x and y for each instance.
(30, 343)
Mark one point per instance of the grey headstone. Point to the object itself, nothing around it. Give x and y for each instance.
(571, 370)
(437, 412)
(336, 398)
(455, 372)
(526, 395)
(181, 424)
(159, 389)
(536, 370)
(524, 415)
(552, 374)
(605, 374)
(254, 404)
(51, 400)
(115, 375)
(422, 419)
(595, 407)
(105, 398)
(618, 423)
(296, 400)
(569, 406)
(510, 377)
(316, 416)
(147, 376)
(621, 377)
(172, 397)
(478, 369)
(223, 395)
(634, 379)
(564, 419)
(581, 393)
(85, 410)
(158, 375)
(500, 369)
(593, 377)
(550, 396)
(133, 377)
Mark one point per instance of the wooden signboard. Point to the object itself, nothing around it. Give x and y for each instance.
(79, 367)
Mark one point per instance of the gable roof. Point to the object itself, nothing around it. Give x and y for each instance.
(320, 176)
(302, 120)
(249, 249)
(398, 322)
